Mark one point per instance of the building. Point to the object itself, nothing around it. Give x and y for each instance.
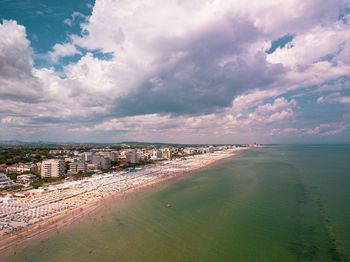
(92, 167)
(5, 181)
(87, 156)
(201, 150)
(102, 162)
(122, 153)
(72, 159)
(52, 168)
(59, 151)
(131, 157)
(211, 149)
(21, 168)
(26, 179)
(145, 156)
(167, 154)
(189, 151)
(157, 154)
(3, 167)
(75, 167)
(111, 155)
(76, 153)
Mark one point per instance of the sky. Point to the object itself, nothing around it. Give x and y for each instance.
(199, 71)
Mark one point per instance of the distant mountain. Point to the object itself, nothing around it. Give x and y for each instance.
(50, 143)
(146, 143)
(19, 142)
(24, 143)
(12, 142)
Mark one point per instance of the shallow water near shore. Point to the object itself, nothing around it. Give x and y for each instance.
(278, 203)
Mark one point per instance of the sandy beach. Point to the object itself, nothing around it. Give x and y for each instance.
(79, 200)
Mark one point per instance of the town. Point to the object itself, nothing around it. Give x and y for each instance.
(30, 167)
(61, 178)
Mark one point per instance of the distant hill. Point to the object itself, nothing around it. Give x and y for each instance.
(50, 143)
(23, 143)
(147, 143)
(12, 142)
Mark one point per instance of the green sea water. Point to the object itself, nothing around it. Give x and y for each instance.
(277, 203)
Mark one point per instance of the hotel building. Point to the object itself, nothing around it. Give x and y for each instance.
(52, 168)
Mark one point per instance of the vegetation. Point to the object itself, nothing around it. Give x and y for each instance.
(13, 155)
(81, 175)
(37, 184)
(11, 188)
(114, 163)
(41, 181)
(140, 163)
(66, 167)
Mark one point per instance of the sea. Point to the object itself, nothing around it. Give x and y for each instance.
(274, 203)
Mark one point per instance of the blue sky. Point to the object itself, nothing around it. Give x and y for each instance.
(47, 23)
(186, 72)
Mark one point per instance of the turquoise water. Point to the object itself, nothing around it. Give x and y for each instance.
(278, 203)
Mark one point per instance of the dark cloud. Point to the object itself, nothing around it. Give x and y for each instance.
(217, 67)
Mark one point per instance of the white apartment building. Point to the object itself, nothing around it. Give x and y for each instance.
(189, 150)
(52, 168)
(5, 181)
(157, 154)
(26, 179)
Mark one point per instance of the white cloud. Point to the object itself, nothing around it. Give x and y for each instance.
(71, 21)
(310, 47)
(62, 50)
(328, 129)
(254, 98)
(279, 110)
(334, 98)
(343, 99)
(197, 68)
(208, 128)
(16, 65)
(289, 130)
(335, 86)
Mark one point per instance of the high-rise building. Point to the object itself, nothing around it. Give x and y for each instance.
(131, 157)
(52, 168)
(111, 155)
(102, 162)
(87, 156)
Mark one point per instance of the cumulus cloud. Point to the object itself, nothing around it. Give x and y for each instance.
(208, 127)
(195, 68)
(203, 60)
(17, 81)
(62, 50)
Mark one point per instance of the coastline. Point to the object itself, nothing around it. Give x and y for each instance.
(69, 216)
